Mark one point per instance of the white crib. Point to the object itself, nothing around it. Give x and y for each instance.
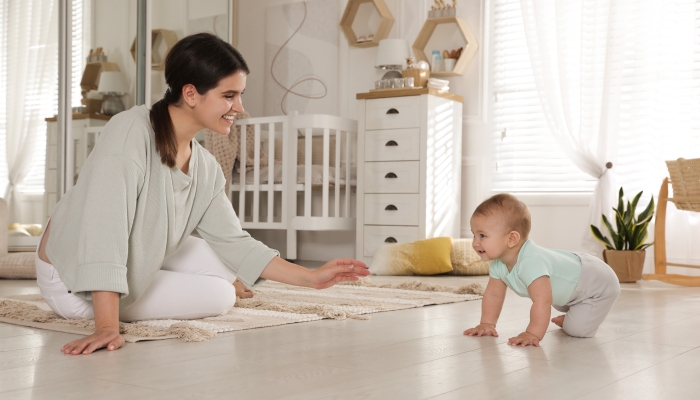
(310, 183)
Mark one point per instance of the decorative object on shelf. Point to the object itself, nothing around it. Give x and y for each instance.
(169, 38)
(462, 55)
(391, 54)
(96, 55)
(436, 64)
(624, 251)
(441, 9)
(89, 81)
(685, 183)
(366, 39)
(418, 71)
(112, 86)
(439, 84)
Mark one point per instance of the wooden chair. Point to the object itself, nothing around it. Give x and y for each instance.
(685, 182)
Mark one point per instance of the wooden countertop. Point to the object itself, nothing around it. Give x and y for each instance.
(82, 116)
(384, 93)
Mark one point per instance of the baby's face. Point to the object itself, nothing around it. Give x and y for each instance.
(490, 236)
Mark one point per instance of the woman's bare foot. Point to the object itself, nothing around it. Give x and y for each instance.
(242, 291)
(559, 321)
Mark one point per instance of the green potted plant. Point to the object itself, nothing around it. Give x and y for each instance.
(624, 250)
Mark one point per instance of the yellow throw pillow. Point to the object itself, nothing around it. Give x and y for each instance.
(422, 257)
(465, 260)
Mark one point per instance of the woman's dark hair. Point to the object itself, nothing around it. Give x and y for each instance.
(201, 60)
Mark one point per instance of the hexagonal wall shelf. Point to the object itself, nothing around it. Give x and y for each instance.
(168, 38)
(468, 52)
(362, 9)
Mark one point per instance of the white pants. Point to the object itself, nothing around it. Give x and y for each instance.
(192, 283)
(595, 294)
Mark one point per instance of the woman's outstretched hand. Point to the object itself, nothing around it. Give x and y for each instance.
(338, 270)
(109, 338)
(332, 272)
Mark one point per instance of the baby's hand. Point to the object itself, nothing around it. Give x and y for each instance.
(524, 339)
(482, 330)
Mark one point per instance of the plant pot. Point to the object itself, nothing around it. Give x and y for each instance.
(627, 264)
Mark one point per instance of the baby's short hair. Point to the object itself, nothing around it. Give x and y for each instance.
(515, 213)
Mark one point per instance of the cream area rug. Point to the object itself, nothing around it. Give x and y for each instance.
(274, 304)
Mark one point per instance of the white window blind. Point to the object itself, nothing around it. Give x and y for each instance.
(655, 49)
(527, 157)
(41, 95)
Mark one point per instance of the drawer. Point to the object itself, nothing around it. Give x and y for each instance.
(392, 177)
(391, 209)
(392, 145)
(377, 236)
(393, 113)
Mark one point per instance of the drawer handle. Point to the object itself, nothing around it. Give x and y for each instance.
(391, 143)
(390, 207)
(392, 111)
(390, 240)
(390, 175)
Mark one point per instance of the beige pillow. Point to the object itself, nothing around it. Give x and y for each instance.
(18, 266)
(465, 260)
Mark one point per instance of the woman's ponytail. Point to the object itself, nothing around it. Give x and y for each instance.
(165, 132)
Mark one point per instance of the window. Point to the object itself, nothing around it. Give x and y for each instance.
(41, 95)
(655, 51)
(527, 157)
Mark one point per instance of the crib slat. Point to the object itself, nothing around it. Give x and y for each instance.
(256, 175)
(289, 194)
(271, 172)
(326, 169)
(242, 163)
(307, 173)
(348, 167)
(336, 208)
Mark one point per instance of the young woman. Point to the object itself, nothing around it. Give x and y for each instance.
(118, 244)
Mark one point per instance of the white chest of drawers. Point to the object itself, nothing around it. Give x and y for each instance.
(409, 168)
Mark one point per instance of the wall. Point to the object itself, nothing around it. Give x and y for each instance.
(114, 29)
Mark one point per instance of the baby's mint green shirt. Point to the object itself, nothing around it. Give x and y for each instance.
(563, 269)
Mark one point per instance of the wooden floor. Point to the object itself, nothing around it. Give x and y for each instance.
(648, 348)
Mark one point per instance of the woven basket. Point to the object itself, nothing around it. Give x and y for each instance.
(420, 76)
(685, 181)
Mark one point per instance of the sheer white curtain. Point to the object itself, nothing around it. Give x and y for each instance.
(618, 83)
(30, 30)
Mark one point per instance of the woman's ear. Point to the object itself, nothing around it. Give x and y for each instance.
(189, 94)
(513, 239)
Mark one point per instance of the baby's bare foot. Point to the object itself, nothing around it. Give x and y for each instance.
(242, 291)
(559, 320)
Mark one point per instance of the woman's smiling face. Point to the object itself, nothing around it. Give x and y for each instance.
(217, 108)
